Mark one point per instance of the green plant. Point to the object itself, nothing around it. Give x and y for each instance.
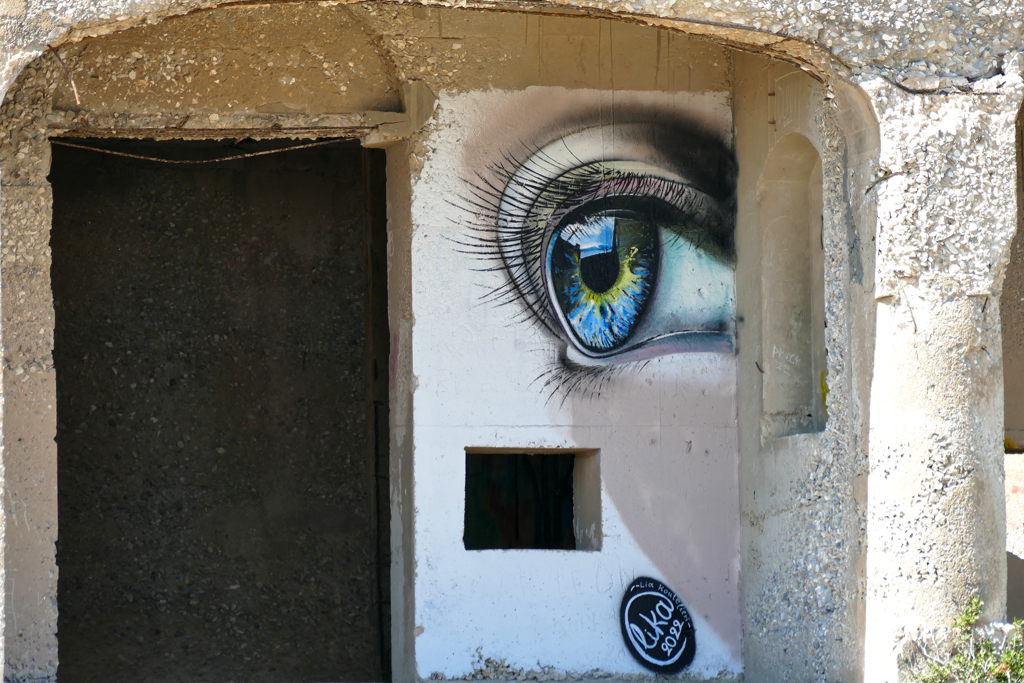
(975, 658)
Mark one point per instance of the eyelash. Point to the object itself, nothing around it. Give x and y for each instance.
(565, 378)
(514, 245)
(488, 241)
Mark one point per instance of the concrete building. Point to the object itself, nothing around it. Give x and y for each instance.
(517, 340)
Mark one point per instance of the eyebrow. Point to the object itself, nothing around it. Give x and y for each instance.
(701, 155)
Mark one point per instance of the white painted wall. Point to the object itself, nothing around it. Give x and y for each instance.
(666, 432)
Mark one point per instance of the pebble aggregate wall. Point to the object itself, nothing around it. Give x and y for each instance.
(930, 228)
(920, 44)
(806, 583)
(943, 82)
(947, 166)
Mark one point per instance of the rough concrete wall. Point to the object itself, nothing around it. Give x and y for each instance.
(162, 64)
(476, 50)
(265, 60)
(29, 396)
(935, 530)
(464, 51)
(442, 47)
(402, 168)
(924, 46)
(802, 519)
(915, 42)
(818, 500)
(243, 69)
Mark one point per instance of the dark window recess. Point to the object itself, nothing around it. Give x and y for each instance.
(519, 500)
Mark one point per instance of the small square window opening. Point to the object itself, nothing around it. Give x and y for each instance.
(542, 500)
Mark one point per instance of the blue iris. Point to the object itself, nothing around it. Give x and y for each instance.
(602, 266)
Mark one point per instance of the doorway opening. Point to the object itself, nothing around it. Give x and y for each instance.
(221, 353)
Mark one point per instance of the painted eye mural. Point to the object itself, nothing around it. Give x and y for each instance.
(619, 239)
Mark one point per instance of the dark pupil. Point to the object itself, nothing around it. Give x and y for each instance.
(600, 271)
(602, 264)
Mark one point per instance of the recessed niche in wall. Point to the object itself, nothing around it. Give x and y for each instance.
(795, 381)
(544, 500)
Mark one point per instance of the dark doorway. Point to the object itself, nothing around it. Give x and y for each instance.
(221, 336)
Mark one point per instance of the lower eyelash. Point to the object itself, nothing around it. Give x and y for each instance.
(567, 379)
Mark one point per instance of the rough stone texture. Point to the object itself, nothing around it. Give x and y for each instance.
(935, 531)
(310, 62)
(936, 406)
(29, 390)
(907, 40)
(464, 51)
(947, 166)
(29, 420)
(401, 383)
(803, 583)
(934, 527)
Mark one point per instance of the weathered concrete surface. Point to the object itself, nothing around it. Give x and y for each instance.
(903, 38)
(963, 173)
(936, 516)
(401, 383)
(30, 454)
(806, 481)
(280, 60)
(934, 530)
(46, 102)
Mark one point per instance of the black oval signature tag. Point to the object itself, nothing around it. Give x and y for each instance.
(656, 626)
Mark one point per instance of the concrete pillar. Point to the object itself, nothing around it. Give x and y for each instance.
(401, 383)
(936, 519)
(29, 418)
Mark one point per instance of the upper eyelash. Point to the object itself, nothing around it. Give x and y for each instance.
(490, 241)
(700, 211)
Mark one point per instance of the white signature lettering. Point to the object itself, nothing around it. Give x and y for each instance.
(641, 637)
(662, 610)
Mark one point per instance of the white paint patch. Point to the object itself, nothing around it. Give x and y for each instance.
(666, 431)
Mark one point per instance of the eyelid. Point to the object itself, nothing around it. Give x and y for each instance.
(542, 192)
(641, 351)
(697, 206)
